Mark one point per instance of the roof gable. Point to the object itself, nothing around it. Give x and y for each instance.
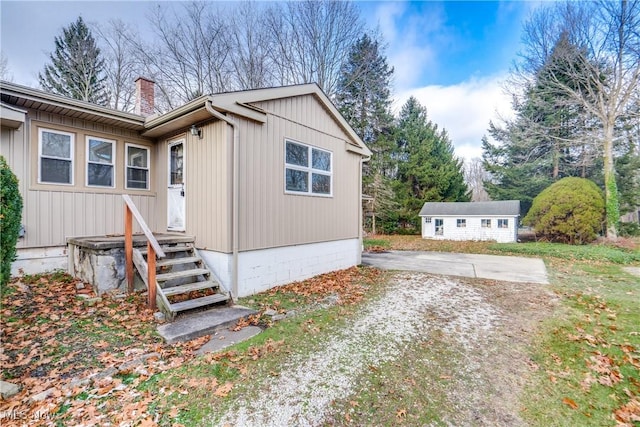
(502, 207)
(246, 98)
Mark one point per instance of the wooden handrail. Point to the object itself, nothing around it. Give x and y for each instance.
(153, 249)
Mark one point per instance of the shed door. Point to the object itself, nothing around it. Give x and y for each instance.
(439, 223)
(176, 191)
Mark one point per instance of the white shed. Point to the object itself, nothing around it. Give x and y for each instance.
(471, 220)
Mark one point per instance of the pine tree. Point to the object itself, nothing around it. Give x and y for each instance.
(76, 68)
(428, 170)
(364, 98)
(551, 136)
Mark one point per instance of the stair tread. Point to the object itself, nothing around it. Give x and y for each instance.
(175, 261)
(170, 249)
(183, 289)
(184, 273)
(198, 302)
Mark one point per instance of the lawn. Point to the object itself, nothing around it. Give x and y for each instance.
(587, 355)
(101, 361)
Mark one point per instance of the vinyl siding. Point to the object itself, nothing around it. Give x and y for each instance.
(268, 216)
(53, 213)
(208, 186)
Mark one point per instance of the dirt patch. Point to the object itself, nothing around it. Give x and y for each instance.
(488, 323)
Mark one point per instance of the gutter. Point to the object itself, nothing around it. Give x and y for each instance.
(235, 197)
(35, 95)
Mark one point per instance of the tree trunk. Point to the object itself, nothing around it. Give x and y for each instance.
(610, 187)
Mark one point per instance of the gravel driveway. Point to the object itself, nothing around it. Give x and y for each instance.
(488, 321)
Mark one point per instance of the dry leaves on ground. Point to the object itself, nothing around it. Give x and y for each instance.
(79, 357)
(349, 285)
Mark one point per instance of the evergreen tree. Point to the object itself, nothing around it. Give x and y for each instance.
(428, 170)
(76, 68)
(363, 97)
(551, 137)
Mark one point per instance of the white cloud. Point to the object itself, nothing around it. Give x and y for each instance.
(412, 36)
(463, 109)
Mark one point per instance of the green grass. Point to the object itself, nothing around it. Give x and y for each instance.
(578, 253)
(393, 393)
(593, 252)
(599, 318)
(301, 335)
(376, 242)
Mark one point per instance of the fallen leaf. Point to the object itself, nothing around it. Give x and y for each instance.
(223, 390)
(570, 403)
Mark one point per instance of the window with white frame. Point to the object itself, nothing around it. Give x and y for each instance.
(308, 170)
(486, 223)
(427, 220)
(100, 162)
(137, 170)
(55, 156)
(461, 223)
(503, 223)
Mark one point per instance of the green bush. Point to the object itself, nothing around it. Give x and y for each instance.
(10, 216)
(568, 211)
(629, 229)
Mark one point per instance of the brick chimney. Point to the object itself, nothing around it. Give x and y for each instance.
(145, 98)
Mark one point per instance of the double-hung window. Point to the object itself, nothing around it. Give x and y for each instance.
(137, 170)
(100, 162)
(461, 223)
(308, 170)
(486, 223)
(55, 155)
(503, 223)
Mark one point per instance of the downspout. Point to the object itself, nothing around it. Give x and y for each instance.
(360, 221)
(235, 198)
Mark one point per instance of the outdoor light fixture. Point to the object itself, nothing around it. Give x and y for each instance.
(196, 131)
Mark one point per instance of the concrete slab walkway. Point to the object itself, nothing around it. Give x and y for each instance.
(203, 323)
(494, 267)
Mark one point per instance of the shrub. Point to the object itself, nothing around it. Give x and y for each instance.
(629, 229)
(10, 216)
(568, 211)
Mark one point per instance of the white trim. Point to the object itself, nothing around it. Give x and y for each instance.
(72, 149)
(170, 144)
(112, 164)
(309, 169)
(126, 166)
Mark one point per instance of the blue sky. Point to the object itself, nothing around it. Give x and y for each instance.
(451, 55)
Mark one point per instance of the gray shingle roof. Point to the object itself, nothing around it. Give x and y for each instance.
(504, 207)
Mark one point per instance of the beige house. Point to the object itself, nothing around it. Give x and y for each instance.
(267, 181)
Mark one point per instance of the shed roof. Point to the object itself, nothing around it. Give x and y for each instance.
(503, 207)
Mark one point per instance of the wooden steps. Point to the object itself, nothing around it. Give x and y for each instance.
(198, 302)
(189, 287)
(181, 273)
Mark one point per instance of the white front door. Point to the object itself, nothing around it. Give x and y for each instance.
(176, 191)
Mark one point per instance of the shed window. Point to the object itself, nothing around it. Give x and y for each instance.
(461, 223)
(308, 170)
(503, 223)
(137, 167)
(486, 223)
(55, 155)
(427, 220)
(100, 162)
